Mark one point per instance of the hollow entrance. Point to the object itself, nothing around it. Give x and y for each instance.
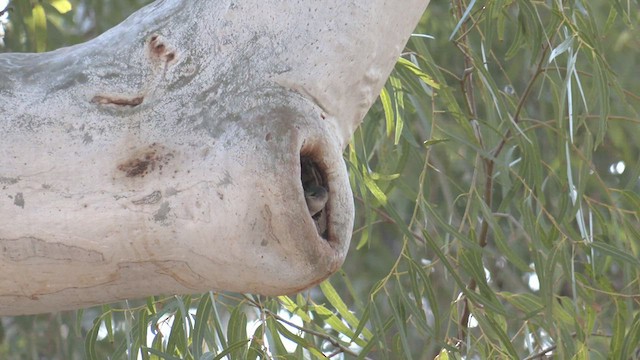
(316, 192)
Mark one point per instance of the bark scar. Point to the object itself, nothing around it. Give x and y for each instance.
(159, 52)
(146, 160)
(120, 101)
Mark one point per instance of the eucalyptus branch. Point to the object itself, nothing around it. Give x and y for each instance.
(523, 99)
(467, 88)
(389, 220)
(323, 336)
(336, 343)
(489, 166)
(542, 353)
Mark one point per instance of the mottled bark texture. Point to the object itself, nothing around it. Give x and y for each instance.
(171, 154)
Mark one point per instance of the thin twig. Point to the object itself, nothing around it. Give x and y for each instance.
(540, 354)
(326, 337)
(525, 96)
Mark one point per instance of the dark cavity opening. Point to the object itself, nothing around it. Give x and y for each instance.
(316, 193)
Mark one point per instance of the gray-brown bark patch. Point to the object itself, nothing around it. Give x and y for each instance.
(162, 214)
(117, 100)
(8, 180)
(159, 51)
(87, 138)
(18, 200)
(226, 180)
(270, 234)
(31, 248)
(152, 198)
(179, 271)
(146, 160)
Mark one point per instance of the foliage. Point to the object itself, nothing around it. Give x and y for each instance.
(496, 184)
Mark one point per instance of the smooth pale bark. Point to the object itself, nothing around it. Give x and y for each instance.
(164, 156)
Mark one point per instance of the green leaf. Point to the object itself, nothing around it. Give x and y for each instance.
(560, 49)
(373, 188)
(293, 308)
(90, 340)
(387, 106)
(39, 27)
(299, 341)
(160, 354)
(432, 142)
(529, 304)
(62, 6)
(334, 299)
(463, 19)
(615, 253)
(418, 72)
(200, 327)
(237, 332)
(217, 322)
(398, 96)
(631, 340)
(275, 342)
(256, 344)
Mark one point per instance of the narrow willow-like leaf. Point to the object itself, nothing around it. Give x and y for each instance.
(62, 6)
(337, 324)
(616, 253)
(161, 355)
(176, 335)
(631, 339)
(141, 333)
(416, 300)
(418, 72)
(183, 305)
(275, 342)
(496, 330)
(334, 299)
(398, 111)
(373, 187)
(294, 308)
(400, 320)
(618, 330)
(237, 332)
(529, 304)
(463, 19)
(78, 323)
(389, 116)
(432, 142)
(39, 27)
(255, 346)
(201, 323)
(217, 322)
(300, 341)
(561, 48)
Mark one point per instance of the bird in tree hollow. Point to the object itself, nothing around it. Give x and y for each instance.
(316, 197)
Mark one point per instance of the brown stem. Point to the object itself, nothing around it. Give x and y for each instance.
(336, 343)
(525, 96)
(489, 162)
(466, 85)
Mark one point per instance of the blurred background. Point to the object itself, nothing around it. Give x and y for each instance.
(496, 184)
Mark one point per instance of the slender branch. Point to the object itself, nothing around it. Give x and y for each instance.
(525, 96)
(389, 220)
(326, 337)
(336, 343)
(489, 166)
(467, 88)
(542, 353)
(3, 11)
